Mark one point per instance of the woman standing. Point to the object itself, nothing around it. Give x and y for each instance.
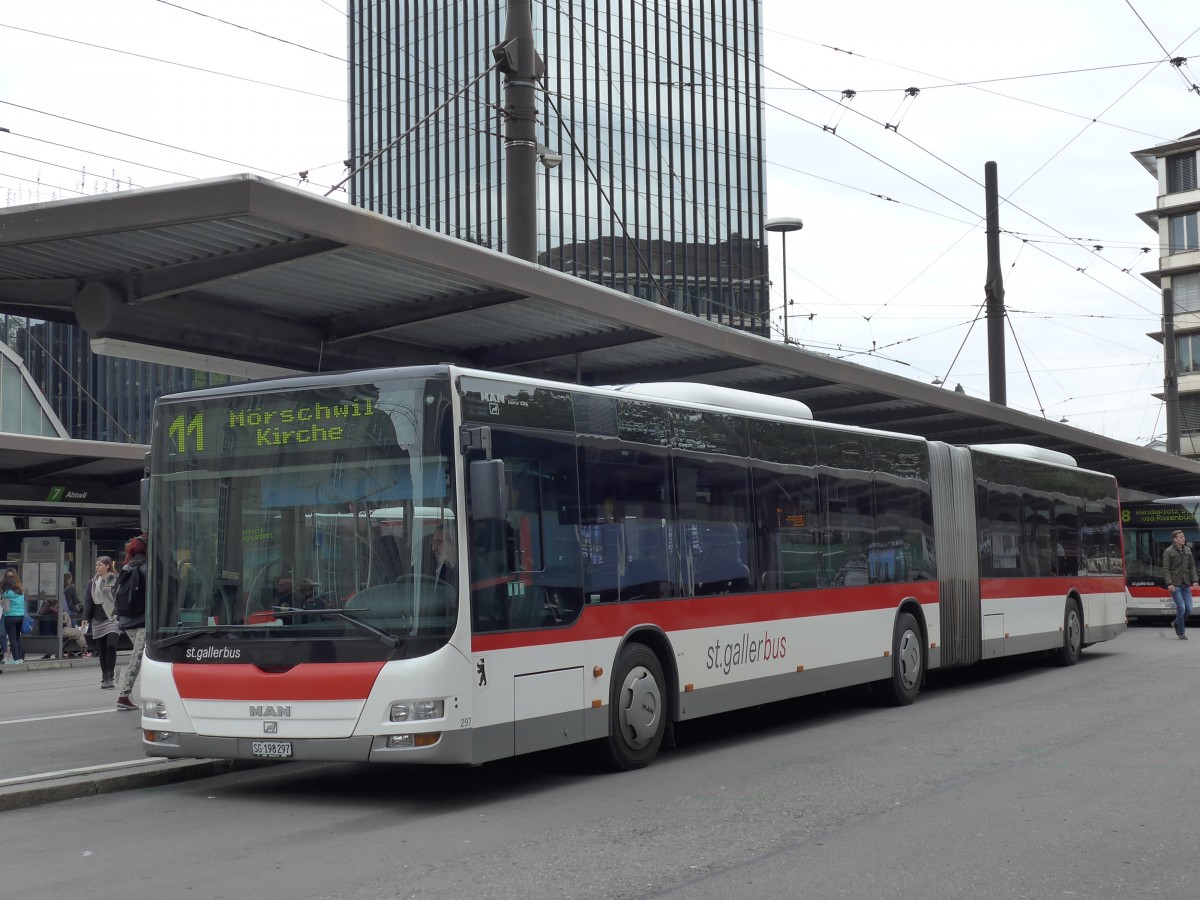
(100, 619)
(13, 595)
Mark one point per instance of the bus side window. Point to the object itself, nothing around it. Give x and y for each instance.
(519, 566)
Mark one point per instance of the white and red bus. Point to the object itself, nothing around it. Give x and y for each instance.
(441, 565)
(1146, 527)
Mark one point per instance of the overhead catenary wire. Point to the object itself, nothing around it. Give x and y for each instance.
(382, 150)
(873, 313)
(168, 62)
(1166, 53)
(975, 181)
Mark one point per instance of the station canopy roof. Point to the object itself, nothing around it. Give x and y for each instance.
(53, 476)
(244, 269)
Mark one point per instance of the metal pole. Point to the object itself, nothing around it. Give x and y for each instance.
(1170, 372)
(994, 289)
(521, 67)
(783, 226)
(785, 293)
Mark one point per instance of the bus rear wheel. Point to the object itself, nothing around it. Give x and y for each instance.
(908, 663)
(637, 710)
(1072, 645)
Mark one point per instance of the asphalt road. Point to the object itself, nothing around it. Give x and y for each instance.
(1011, 780)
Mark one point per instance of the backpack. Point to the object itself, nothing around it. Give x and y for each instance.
(130, 592)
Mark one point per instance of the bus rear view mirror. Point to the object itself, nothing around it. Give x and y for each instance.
(487, 498)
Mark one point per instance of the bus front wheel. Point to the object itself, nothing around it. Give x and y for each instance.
(637, 709)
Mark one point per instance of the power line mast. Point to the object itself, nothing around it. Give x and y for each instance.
(994, 289)
(522, 67)
(1171, 372)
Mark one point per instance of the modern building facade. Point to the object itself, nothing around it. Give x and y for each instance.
(1174, 219)
(96, 398)
(23, 407)
(653, 105)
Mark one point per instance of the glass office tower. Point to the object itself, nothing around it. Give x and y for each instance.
(653, 105)
(97, 398)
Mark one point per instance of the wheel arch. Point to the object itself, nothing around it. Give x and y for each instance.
(911, 605)
(654, 638)
(1073, 594)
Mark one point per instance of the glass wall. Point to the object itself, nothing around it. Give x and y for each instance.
(97, 398)
(22, 409)
(653, 106)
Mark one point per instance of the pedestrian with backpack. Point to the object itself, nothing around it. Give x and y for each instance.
(130, 594)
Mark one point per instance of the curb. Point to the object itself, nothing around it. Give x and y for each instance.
(35, 790)
(41, 665)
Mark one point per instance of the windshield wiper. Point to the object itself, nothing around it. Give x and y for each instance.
(189, 635)
(385, 637)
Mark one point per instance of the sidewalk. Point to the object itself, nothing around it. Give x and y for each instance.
(37, 664)
(44, 703)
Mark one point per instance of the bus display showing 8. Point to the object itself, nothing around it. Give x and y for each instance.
(442, 565)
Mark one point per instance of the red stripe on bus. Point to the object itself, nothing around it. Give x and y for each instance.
(608, 620)
(1056, 586)
(1148, 591)
(308, 681)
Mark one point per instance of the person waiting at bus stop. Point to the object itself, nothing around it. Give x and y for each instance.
(13, 596)
(100, 619)
(1179, 568)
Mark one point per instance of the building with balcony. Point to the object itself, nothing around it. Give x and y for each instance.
(1174, 219)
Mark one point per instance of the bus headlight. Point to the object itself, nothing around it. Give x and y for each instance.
(153, 709)
(418, 710)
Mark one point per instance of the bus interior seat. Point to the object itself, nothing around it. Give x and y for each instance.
(720, 560)
(528, 608)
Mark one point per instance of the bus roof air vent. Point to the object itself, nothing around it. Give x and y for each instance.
(1027, 451)
(724, 397)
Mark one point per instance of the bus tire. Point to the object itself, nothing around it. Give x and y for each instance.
(637, 710)
(1072, 645)
(908, 663)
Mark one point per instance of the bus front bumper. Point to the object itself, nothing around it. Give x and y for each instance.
(452, 747)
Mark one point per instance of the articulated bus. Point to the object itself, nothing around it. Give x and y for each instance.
(1146, 528)
(442, 565)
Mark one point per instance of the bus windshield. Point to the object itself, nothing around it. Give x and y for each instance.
(1146, 531)
(304, 524)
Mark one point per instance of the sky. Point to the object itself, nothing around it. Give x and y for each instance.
(889, 268)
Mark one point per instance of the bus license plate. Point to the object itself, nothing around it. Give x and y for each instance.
(271, 749)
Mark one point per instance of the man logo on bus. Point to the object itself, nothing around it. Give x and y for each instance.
(481, 670)
(274, 712)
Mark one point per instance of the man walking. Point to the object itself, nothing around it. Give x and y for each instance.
(1179, 568)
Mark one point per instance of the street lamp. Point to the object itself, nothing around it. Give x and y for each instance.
(783, 226)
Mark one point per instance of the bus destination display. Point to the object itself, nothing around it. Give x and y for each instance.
(246, 427)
